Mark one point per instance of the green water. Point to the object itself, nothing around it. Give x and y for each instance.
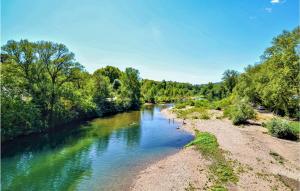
(102, 154)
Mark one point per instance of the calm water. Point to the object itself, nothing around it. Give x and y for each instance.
(103, 154)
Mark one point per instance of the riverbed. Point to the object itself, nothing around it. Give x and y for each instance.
(102, 154)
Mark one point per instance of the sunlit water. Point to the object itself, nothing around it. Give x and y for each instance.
(103, 154)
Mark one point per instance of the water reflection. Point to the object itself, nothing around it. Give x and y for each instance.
(89, 155)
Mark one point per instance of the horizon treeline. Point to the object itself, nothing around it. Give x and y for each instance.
(167, 91)
(42, 85)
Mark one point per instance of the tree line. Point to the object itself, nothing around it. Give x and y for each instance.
(167, 91)
(42, 86)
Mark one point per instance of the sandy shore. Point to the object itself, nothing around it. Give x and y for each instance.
(248, 148)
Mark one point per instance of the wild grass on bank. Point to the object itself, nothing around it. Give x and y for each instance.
(221, 170)
(193, 113)
(217, 105)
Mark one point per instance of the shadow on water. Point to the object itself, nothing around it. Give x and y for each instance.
(85, 155)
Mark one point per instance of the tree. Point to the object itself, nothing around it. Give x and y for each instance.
(274, 82)
(132, 87)
(43, 86)
(111, 72)
(230, 79)
(60, 67)
(102, 96)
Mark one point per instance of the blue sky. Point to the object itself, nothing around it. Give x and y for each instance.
(181, 40)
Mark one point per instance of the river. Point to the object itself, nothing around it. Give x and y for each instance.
(101, 154)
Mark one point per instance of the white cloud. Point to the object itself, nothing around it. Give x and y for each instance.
(268, 9)
(275, 1)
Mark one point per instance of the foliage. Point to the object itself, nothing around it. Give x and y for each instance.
(167, 91)
(239, 113)
(131, 89)
(274, 82)
(213, 91)
(230, 79)
(223, 103)
(113, 73)
(202, 103)
(197, 103)
(295, 125)
(282, 129)
(42, 87)
(194, 112)
(181, 105)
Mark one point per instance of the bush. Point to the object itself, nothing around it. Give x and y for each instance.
(183, 104)
(282, 129)
(239, 113)
(222, 104)
(202, 103)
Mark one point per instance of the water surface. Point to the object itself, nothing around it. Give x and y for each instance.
(103, 154)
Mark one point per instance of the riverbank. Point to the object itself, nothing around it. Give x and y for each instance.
(260, 161)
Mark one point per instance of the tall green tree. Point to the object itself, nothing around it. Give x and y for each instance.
(274, 82)
(230, 79)
(60, 67)
(103, 94)
(111, 72)
(131, 87)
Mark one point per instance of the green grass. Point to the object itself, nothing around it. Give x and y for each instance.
(218, 188)
(221, 169)
(206, 143)
(193, 113)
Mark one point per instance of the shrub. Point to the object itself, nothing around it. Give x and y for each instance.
(183, 104)
(222, 104)
(202, 103)
(282, 129)
(239, 113)
(180, 105)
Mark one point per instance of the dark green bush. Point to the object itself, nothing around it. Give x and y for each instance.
(239, 113)
(282, 129)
